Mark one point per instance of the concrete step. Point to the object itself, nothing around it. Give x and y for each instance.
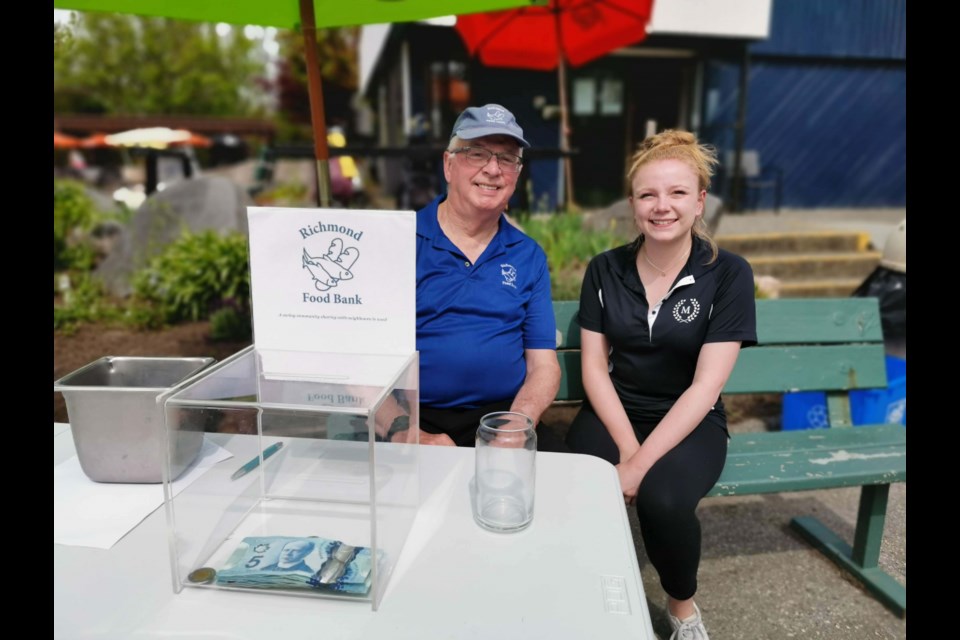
(795, 242)
(815, 265)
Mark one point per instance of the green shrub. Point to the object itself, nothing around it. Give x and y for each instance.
(83, 300)
(193, 277)
(230, 324)
(569, 247)
(283, 194)
(74, 216)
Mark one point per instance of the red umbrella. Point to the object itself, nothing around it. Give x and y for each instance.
(195, 140)
(552, 36)
(63, 141)
(94, 141)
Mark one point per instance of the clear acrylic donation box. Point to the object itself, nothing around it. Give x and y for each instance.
(320, 416)
(323, 485)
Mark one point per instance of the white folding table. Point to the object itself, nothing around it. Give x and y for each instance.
(572, 574)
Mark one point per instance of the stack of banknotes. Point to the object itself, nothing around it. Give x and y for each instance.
(281, 562)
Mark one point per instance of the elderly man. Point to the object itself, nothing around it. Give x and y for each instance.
(485, 327)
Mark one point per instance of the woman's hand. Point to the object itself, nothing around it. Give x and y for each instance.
(630, 479)
(713, 369)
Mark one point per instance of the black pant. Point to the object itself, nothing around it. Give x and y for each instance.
(461, 424)
(668, 496)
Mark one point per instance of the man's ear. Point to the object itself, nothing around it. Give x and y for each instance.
(447, 159)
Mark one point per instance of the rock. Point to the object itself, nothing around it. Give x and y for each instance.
(197, 204)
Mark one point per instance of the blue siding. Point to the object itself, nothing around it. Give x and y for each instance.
(837, 131)
(837, 28)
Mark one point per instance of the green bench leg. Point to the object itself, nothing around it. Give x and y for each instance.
(861, 560)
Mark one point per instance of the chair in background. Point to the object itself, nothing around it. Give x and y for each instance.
(755, 178)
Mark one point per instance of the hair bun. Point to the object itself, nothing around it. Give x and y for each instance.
(668, 138)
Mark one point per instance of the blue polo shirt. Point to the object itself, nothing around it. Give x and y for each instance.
(474, 320)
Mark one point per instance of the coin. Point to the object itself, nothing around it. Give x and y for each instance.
(203, 575)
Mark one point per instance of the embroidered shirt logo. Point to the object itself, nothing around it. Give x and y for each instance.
(686, 310)
(509, 273)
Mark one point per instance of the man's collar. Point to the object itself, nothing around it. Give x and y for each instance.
(428, 226)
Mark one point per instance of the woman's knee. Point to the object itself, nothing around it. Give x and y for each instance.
(664, 504)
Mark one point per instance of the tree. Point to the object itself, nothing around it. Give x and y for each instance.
(337, 54)
(112, 63)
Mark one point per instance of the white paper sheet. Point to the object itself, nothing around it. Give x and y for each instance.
(333, 280)
(97, 514)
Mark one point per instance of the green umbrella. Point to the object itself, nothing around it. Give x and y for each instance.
(307, 15)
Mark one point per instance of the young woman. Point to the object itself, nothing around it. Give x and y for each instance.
(662, 322)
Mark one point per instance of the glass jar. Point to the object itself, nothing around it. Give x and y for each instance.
(506, 448)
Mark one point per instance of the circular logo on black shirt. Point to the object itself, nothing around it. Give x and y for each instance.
(686, 310)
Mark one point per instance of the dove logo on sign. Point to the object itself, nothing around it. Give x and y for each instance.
(329, 269)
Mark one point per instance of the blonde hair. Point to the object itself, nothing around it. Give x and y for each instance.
(673, 144)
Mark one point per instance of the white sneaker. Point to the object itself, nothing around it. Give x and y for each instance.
(690, 629)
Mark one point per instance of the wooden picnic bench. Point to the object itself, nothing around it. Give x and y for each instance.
(833, 345)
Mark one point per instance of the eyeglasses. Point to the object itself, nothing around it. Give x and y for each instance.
(479, 157)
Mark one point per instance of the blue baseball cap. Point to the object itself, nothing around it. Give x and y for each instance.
(488, 120)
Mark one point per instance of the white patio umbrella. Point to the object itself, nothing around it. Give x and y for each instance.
(150, 137)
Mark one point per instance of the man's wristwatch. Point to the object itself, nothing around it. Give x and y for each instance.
(400, 423)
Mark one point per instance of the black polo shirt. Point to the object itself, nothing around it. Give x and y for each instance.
(654, 350)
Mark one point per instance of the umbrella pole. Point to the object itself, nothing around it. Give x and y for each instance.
(318, 119)
(152, 172)
(564, 128)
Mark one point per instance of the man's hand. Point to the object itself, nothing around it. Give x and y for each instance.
(440, 439)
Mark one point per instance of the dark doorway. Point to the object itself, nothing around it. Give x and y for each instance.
(610, 106)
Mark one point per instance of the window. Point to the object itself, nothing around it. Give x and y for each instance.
(597, 96)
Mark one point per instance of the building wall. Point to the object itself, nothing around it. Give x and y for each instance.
(826, 105)
(872, 29)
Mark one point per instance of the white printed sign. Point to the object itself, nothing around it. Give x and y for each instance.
(333, 280)
(721, 18)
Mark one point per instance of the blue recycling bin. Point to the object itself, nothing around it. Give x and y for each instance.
(808, 409)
